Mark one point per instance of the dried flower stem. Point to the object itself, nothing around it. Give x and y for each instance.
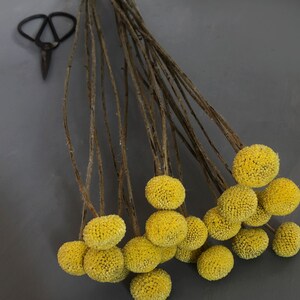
(82, 188)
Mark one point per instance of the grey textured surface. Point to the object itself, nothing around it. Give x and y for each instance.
(244, 57)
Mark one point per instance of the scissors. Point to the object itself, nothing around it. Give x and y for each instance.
(47, 47)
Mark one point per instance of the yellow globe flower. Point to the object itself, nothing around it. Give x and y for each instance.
(259, 218)
(188, 256)
(166, 228)
(165, 192)
(255, 166)
(70, 257)
(218, 227)
(250, 243)
(104, 265)
(215, 263)
(196, 234)
(237, 203)
(167, 253)
(102, 233)
(155, 285)
(281, 197)
(141, 255)
(286, 242)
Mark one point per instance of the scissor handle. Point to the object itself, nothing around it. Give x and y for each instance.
(48, 20)
(29, 19)
(66, 15)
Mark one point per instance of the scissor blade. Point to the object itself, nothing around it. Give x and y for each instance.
(45, 62)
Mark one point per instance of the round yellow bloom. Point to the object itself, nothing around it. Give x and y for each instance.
(155, 285)
(286, 242)
(215, 263)
(141, 255)
(218, 227)
(102, 233)
(166, 228)
(188, 256)
(196, 234)
(104, 265)
(167, 253)
(237, 203)
(255, 166)
(70, 257)
(250, 243)
(259, 218)
(165, 192)
(281, 197)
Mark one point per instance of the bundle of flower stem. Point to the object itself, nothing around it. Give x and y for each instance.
(170, 106)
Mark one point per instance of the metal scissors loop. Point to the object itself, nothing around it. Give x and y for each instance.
(47, 47)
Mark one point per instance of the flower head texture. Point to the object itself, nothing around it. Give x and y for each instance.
(286, 242)
(259, 218)
(215, 263)
(250, 243)
(102, 233)
(166, 228)
(155, 285)
(123, 275)
(281, 197)
(255, 166)
(141, 255)
(70, 257)
(167, 253)
(196, 234)
(237, 203)
(218, 227)
(188, 256)
(104, 265)
(165, 192)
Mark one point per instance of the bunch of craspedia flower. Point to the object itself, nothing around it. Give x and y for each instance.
(240, 206)
(97, 255)
(240, 213)
(257, 166)
(165, 229)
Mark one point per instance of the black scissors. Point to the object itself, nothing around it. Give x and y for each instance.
(47, 47)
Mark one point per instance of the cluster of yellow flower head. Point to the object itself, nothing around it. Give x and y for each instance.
(241, 206)
(254, 167)
(97, 255)
(170, 234)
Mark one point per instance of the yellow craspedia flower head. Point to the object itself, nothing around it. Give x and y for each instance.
(188, 256)
(196, 234)
(218, 227)
(166, 228)
(141, 255)
(155, 285)
(286, 242)
(215, 263)
(255, 166)
(281, 197)
(104, 265)
(102, 233)
(237, 203)
(250, 243)
(167, 253)
(165, 192)
(70, 257)
(259, 218)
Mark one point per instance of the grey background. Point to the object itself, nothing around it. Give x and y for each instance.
(244, 57)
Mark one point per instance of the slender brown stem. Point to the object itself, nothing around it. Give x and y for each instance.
(82, 188)
(133, 214)
(272, 229)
